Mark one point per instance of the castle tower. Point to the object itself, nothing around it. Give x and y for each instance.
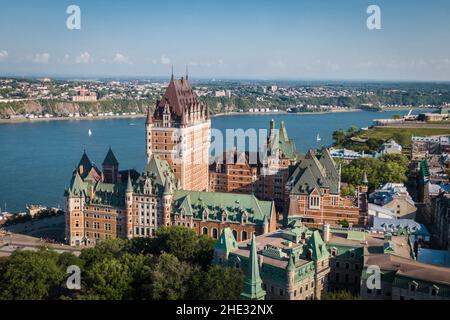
(74, 217)
(167, 200)
(148, 134)
(129, 208)
(253, 284)
(110, 168)
(179, 132)
(290, 272)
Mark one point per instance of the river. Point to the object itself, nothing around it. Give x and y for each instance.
(37, 159)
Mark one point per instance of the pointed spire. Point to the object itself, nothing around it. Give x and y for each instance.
(365, 181)
(129, 184)
(187, 73)
(110, 158)
(171, 78)
(77, 184)
(167, 187)
(253, 284)
(291, 263)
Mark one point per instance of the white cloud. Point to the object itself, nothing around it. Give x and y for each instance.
(41, 58)
(3, 55)
(165, 59)
(85, 57)
(121, 59)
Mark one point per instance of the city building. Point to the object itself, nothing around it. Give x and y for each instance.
(209, 213)
(179, 132)
(113, 203)
(417, 231)
(390, 147)
(314, 193)
(405, 279)
(274, 172)
(395, 197)
(289, 264)
(234, 171)
(84, 95)
(298, 263)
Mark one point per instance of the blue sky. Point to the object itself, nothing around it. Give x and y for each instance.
(301, 39)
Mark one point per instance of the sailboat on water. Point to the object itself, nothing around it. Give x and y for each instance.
(90, 132)
(318, 139)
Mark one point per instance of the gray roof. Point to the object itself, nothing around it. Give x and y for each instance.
(385, 224)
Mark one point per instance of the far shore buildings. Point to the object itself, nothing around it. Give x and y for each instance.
(84, 95)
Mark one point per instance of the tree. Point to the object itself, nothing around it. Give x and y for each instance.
(184, 244)
(28, 275)
(168, 280)
(108, 279)
(339, 137)
(108, 248)
(390, 168)
(218, 283)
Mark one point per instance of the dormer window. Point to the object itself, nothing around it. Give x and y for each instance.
(244, 217)
(314, 202)
(334, 252)
(413, 286)
(434, 291)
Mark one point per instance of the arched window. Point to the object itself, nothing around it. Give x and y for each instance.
(244, 235)
(205, 231)
(214, 233)
(235, 235)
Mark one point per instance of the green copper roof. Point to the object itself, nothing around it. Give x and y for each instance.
(129, 184)
(291, 262)
(226, 241)
(77, 186)
(253, 284)
(280, 141)
(218, 205)
(317, 246)
(110, 159)
(356, 235)
(158, 172)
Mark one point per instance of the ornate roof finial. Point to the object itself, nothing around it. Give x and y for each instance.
(187, 74)
(172, 74)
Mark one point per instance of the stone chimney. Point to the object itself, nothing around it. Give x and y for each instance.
(326, 232)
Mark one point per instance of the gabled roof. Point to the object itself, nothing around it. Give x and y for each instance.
(77, 186)
(279, 140)
(110, 159)
(85, 162)
(310, 174)
(226, 241)
(317, 246)
(158, 173)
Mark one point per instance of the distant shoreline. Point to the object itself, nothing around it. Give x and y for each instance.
(222, 114)
(281, 112)
(25, 120)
